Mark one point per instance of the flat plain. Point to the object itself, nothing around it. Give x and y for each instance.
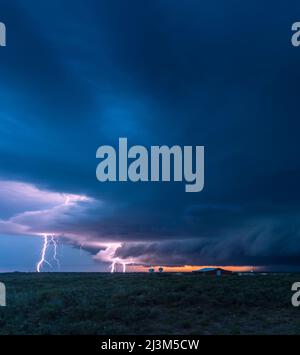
(102, 303)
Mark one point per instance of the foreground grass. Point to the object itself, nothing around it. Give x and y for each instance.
(91, 303)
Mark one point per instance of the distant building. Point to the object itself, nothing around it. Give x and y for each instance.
(151, 269)
(161, 269)
(214, 271)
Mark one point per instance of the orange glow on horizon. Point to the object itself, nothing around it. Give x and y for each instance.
(188, 268)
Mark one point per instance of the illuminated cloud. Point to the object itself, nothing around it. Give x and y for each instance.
(35, 211)
(215, 234)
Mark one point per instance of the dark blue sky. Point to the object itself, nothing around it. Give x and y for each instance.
(79, 74)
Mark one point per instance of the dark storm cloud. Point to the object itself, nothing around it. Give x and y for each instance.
(253, 239)
(76, 75)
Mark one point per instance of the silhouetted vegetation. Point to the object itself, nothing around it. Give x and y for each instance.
(91, 303)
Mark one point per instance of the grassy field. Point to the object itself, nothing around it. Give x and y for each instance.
(91, 303)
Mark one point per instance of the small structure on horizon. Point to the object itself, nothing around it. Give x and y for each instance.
(151, 270)
(160, 269)
(214, 271)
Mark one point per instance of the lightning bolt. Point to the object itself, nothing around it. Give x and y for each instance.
(43, 255)
(124, 267)
(67, 199)
(113, 266)
(54, 242)
(46, 244)
(107, 255)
